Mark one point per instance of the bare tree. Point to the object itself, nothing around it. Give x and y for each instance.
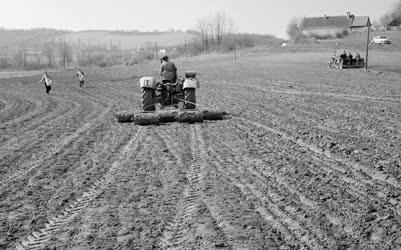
(219, 25)
(213, 28)
(65, 53)
(19, 57)
(49, 51)
(394, 13)
(203, 27)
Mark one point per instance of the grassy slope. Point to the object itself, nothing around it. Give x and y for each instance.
(10, 38)
(354, 42)
(128, 40)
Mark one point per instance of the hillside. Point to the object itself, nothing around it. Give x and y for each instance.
(11, 38)
(127, 40)
(354, 42)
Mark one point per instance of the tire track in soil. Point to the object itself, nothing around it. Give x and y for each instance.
(38, 109)
(81, 175)
(19, 136)
(334, 95)
(214, 209)
(221, 214)
(177, 231)
(352, 165)
(291, 202)
(50, 118)
(268, 205)
(116, 227)
(25, 169)
(358, 184)
(363, 191)
(288, 114)
(40, 238)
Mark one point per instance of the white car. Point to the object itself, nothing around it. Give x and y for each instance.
(381, 40)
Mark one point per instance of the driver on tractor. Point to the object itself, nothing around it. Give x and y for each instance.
(168, 86)
(168, 71)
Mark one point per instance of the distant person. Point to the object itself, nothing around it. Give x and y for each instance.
(349, 57)
(343, 55)
(168, 71)
(357, 57)
(47, 81)
(81, 77)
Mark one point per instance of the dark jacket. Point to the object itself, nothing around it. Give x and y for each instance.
(168, 71)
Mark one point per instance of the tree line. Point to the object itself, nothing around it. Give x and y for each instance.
(393, 14)
(46, 55)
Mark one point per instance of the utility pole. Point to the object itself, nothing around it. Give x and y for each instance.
(367, 47)
(235, 49)
(186, 51)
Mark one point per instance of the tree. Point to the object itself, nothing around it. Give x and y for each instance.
(203, 28)
(213, 28)
(49, 51)
(219, 24)
(394, 13)
(294, 27)
(65, 52)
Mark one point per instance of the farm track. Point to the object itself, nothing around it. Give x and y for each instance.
(309, 159)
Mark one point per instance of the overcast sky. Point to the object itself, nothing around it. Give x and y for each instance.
(256, 16)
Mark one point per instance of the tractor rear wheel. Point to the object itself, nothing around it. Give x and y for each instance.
(147, 99)
(190, 98)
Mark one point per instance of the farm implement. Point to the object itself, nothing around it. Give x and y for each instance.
(169, 102)
(340, 61)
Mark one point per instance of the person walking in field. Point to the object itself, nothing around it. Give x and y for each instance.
(168, 71)
(81, 77)
(47, 81)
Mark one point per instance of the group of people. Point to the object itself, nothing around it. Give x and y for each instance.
(348, 58)
(168, 74)
(47, 81)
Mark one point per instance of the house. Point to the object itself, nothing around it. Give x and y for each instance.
(334, 26)
(395, 24)
(360, 23)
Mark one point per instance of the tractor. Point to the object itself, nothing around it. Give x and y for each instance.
(179, 94)
(169, 102)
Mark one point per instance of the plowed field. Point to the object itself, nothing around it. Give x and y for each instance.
(309, 158)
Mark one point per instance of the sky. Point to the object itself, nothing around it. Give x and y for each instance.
(252, 16)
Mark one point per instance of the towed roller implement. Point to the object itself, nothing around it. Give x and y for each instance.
(169, 102)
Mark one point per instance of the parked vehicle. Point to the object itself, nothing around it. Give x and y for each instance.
(381, 40)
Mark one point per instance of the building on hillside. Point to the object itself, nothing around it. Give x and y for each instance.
(395, 24)
(334, 26)
(360, 23)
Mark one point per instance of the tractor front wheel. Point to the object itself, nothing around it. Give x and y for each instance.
(190, 98)
(147, 99)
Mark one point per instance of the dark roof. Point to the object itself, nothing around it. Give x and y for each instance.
(326, 22)
(360, 21)
(335, 22)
